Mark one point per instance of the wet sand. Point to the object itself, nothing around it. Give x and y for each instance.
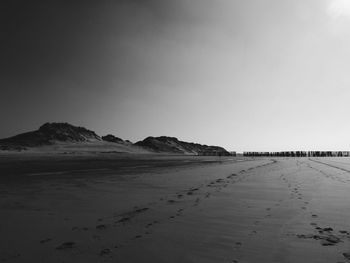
(111, 208)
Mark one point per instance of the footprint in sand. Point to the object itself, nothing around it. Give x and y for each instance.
(45, 240)
(231, 176)
(347, 255)
(124, 220)
(101, 227)
(66, 245)
(194, 189)
(105, 252)
(196, 202)
(178, 213)
(253, 232)
(152, 223)
(238, 245)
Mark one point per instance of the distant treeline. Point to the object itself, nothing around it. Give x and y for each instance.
(300, 154)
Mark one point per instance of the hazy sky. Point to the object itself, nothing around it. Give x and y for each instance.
(246, 75)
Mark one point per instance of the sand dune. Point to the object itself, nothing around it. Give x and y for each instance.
(175, 209)
(65, 138)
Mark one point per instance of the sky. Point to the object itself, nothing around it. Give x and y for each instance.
(248, 75)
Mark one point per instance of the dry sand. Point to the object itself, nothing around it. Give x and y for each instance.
(111, 208)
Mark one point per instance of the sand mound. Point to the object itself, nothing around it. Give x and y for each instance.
(48, 134)
(173, 145)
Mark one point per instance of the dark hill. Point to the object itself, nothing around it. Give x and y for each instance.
(47, 134)
(70, 136)
(112, 138)
(166, 144)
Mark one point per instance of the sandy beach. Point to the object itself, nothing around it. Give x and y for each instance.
(187, 131)
(173, 209)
